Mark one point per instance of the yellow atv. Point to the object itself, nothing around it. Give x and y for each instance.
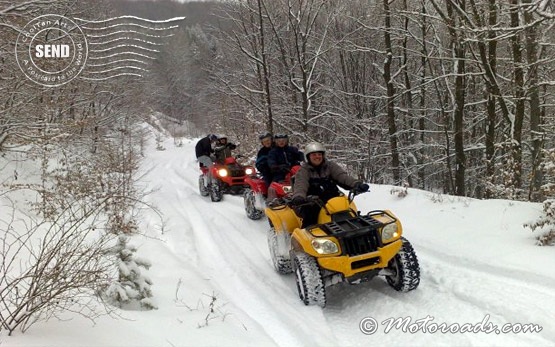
(343, 246)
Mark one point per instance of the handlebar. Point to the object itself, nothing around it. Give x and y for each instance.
(313, 199)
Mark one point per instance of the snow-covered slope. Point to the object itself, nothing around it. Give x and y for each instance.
(478, 264)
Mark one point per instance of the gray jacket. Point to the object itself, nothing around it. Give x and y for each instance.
(309, 175)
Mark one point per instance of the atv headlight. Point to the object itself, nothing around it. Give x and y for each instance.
(324, 246)
(287, 189)
(389, 232)
(249, 171)
(222, 172)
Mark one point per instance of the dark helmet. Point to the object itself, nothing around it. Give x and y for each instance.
(281, 136)
(212, 137)
(265, 136)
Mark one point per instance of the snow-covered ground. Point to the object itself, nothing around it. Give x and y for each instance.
(478, 264)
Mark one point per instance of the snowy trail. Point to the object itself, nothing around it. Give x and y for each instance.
(477, 262)
(451, 293)
(231, 251)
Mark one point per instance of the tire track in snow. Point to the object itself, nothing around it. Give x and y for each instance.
(451, 291)
(541, 283)
(488, 280)
(448, 293)
(241, 271)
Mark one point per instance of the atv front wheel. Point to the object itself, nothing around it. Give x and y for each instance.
(216, 193)
(279, 251)
(309, 280)
(405, 269)
(201, 187)
(249, 199)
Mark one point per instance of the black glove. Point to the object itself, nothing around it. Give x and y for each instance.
(231, 146)
(298, 200)
(360, 187)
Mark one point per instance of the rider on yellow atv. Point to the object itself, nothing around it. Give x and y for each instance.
(320, 177)
(336, 242)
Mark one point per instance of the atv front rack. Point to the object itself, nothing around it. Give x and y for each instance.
(354, 225)
(357, 235)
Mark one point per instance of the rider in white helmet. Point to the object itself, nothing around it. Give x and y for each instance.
(320, 176)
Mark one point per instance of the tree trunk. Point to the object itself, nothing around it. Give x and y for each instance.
(460, 94)
(537, 135)
(390, 97)
(491, 117)
(516, 129)
(408, 97)
(266, 69)
(423, 113)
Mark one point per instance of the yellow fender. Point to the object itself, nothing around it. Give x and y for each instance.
(283, 218)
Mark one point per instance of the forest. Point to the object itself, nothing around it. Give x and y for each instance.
(450, 96)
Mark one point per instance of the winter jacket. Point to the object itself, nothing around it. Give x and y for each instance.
(281, 159)
(203, 147)
(321, 181)
(223, 151)
(262, 163)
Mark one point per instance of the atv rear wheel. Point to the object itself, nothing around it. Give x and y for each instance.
(201, 187)
(249, 199)
(216, 193)
(405, 269)
(309, 280)
(279, 245)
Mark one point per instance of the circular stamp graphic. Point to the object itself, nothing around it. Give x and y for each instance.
(51, 50)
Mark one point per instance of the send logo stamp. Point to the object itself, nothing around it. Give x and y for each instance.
(51, 50)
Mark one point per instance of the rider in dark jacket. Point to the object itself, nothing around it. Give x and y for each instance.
(267, 142)
(204, 146)
(282, 157)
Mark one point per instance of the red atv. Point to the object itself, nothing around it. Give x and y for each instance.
(255, 195)
(228, 177)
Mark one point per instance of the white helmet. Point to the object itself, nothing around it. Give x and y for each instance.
(313, 147)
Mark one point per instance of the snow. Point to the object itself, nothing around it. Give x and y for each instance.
(214, 283)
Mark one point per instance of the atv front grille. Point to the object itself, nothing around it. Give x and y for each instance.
(236, 172)
(361, 244)
(357, 235)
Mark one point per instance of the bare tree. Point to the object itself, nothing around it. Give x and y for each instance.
(50, 267)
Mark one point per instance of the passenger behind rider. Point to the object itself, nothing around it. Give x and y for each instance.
(203, 149)
(267, 142)
(319, 176)
(281, 159)
(223, 149)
